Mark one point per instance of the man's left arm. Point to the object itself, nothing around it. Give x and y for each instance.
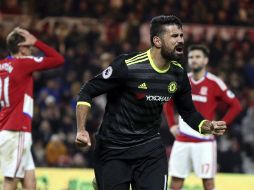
(228, 97)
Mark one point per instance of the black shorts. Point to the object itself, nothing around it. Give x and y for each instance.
(143, 167)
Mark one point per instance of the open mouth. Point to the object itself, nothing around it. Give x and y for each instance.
(179, 49)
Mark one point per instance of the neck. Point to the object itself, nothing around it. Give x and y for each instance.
(158, 60)
(17, 55)
(199, 75)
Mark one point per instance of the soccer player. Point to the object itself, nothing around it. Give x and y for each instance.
(128, 146)
(16, 100)
(193, 149)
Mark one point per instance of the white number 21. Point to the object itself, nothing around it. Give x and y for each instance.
(4, 92)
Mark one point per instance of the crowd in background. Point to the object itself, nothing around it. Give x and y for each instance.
(237, 12)
(120, 28)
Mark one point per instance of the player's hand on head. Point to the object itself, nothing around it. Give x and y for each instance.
(29, 38)
(175, 130)
(214, 127)
(83, 139)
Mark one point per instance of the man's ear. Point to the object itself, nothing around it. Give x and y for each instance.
(21, 49)
(157, 41)
(206, 60)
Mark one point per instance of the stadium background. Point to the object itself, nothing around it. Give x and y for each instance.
(91, 33)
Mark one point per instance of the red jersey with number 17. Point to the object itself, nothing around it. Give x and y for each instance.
(16, 87)
(206, 95)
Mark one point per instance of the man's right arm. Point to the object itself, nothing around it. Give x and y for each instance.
(51, 59)
(110, 78)
(82, 138)
(168, 109)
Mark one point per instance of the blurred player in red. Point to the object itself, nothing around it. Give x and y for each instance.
(192, 150)
(16, 100)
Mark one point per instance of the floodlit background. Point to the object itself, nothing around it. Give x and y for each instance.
(90, 33)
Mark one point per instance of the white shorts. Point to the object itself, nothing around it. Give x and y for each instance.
(15, 153)
(200, 157)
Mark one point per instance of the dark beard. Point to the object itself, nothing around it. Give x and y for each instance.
(198, 69)
(171, 55)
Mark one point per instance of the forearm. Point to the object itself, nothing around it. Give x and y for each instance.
(49, 51)
(169, 113)
(188, 111)
(194, 119)
(234, 109)
(82, 111)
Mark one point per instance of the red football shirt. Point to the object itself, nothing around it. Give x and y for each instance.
(206, 94)
(16, 87)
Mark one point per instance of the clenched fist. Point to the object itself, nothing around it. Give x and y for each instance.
(213, 127)
(83, 139)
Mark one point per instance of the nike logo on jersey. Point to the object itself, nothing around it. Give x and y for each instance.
(142, 86)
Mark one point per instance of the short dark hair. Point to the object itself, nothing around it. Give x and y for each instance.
(200, 47)
(12, 41)
(157, 23)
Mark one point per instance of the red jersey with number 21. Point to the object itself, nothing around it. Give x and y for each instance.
(16, 87)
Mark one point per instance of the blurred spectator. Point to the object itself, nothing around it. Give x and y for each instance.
(227, 12)
(248, 128)
(11, 7)
(45, 131)
(78, 160)
(249, 72)
(56, 152)
(38, 151)
(230, 160)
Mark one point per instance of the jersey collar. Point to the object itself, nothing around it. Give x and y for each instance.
(153, 64)
(9, 57)
(198, 81)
